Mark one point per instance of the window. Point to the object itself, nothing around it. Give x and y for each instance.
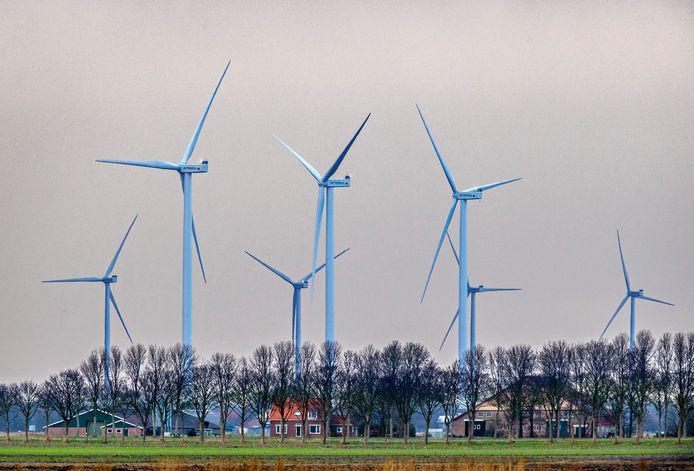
(298, 430)
(488, 414)
(338, 429)
(312, 415)
(277, 429)
(314, 429)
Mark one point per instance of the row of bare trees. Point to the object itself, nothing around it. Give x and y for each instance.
(384, 388)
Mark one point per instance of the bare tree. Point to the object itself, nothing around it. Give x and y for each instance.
(304, 385)
(45, 403)
(241, 391)
(367, 377)
(8, 399)
(619, 384)
(224, 369)
(475, 384)
(262, 384)
(663, 381)
(683, 378)
(414, 357)
(598, 366)
(202, 393)
(283, 372)
(157, 386)
(117, 389)
(137, 395)
(329, 356)
(497, 366)
(390, 363)
(345, 391)
(430, 393)
(452, 388)
(92, 370)
(27, 403)
(181, 360)
(554, 369)
(66, 388)
(642, 377)
(577, 389)
(518, 367)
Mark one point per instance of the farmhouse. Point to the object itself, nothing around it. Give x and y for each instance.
(292, 423)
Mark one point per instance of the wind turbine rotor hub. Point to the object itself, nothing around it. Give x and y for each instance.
(301, 285)
(193, 168)
(111, 279)
(467, 195)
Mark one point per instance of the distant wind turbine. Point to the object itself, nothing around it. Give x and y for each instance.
(472, 292)
(186, 171)
(633, 295)
(109, 299)
(325, 198)
(296, 304)
(462, 197)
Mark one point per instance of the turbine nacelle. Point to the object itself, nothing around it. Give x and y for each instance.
(193, 168)
(636, 293)
(301, 284)
(110, 279)
(467, 195)
(336, 183)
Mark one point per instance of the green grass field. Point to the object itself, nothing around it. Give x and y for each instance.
(36, 448)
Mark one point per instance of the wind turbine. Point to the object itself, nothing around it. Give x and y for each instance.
(109, 299)
(185, 171)
(325, 198)
(472, 292)
(462, 197)
(633, 295)
(296, 304)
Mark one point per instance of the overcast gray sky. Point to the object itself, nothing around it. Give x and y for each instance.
(592, 103)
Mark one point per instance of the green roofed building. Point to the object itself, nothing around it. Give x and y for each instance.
(84, 423)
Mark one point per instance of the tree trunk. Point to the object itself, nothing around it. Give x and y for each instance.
(510, 432)
(325, 431)
(406, 430)
(26, 428)
(64, 436)
(426, 430)
(471, 427)
(344, 431)
(46, 437)
(448, 432)
(367, 431)
(558, 423)
(262, 434)
(303, 430)
(223, 428)
(496, 422)
(243, 432)
(594, 428)
(201, 425)
(551, 419)
(282, 428)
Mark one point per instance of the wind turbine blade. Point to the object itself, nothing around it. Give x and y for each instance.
(449, 330)
(492, 185)
(485, 290)
(308, 277)
(301, 160)
(624, 267)
(120, 247)
(113, 301)
(438, 247)
(646, 298)
(316, 233)
(142, 163)
(614, 315)
(446, 170)
(88, 279)
(273, 270)
(455, 254)
(339, 160)
(194, 140)
(197, 248)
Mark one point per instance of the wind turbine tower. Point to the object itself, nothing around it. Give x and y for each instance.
(462, 198)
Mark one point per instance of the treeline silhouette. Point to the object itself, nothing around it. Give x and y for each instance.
(583, 383)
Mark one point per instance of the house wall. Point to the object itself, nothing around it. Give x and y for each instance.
(291, 428)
